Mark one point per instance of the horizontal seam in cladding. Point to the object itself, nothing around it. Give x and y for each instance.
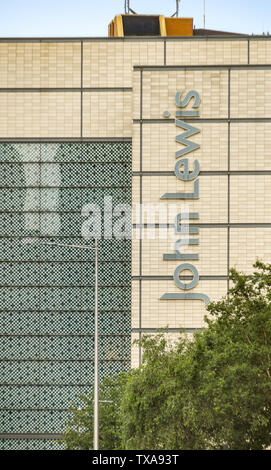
(41, 409)
(64, 311)
(200, 225)
(205, 173)
(202, 120)
(30, 436)
(202, 67)
(68, 140)
(63, 237)
(180, 39)
(40, 385)
(78, 335)
(62, 286)
(61, 261)
(63, 187)
(170, 278)
(50, 359)
(37, 409)
(68, 162)
(65, 90)
(153, 330)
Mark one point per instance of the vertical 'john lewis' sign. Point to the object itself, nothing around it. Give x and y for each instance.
(183, 173)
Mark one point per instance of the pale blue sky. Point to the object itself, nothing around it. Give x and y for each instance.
(64, 18)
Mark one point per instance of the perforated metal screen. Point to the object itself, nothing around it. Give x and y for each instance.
(47, 292)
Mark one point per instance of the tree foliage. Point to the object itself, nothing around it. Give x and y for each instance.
(79, 431)
(212, 392)
(215, 391)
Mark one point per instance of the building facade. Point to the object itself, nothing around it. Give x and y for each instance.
(181, 124)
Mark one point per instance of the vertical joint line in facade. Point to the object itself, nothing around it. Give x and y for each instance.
(141, 97)
(140, 324)
(229, 177)
(39, 293)
(165, 52)
(229, 94)
(81, 97)
(81, 205)
(140, 192)
(228, 229)
(248, 51)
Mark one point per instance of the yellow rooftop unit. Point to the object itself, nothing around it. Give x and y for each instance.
(149, 25)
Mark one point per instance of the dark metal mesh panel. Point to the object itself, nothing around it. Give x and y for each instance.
(47, 292)
(31, 444)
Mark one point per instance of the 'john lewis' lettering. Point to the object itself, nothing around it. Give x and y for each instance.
(183, 173)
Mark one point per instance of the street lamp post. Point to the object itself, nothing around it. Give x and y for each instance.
(96, 357)
(96, 331)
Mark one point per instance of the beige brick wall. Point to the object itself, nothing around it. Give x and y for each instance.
(250, 93)
(136, 147)
(158, 313)
(250, 199)
(53, 114)
(135, 192)
(159, 146)
(136, 80)
(212, 251)
(134, 351)
(136, 94)
(135, 304)
(250, 194)
(110, 64)
(194, 52)
(159, 90)
(107, 114)
(250, 146)
(40, 65)
(247, 244)
(211, 205)
(260, 52)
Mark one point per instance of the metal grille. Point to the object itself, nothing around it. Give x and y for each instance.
(47, 292)
(30, 444)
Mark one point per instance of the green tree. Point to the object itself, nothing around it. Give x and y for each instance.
(79, 431)
(154, 401)
(231, 363)
(212, 392)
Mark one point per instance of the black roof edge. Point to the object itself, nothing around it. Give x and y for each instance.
(198, 34)
(213, 32)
